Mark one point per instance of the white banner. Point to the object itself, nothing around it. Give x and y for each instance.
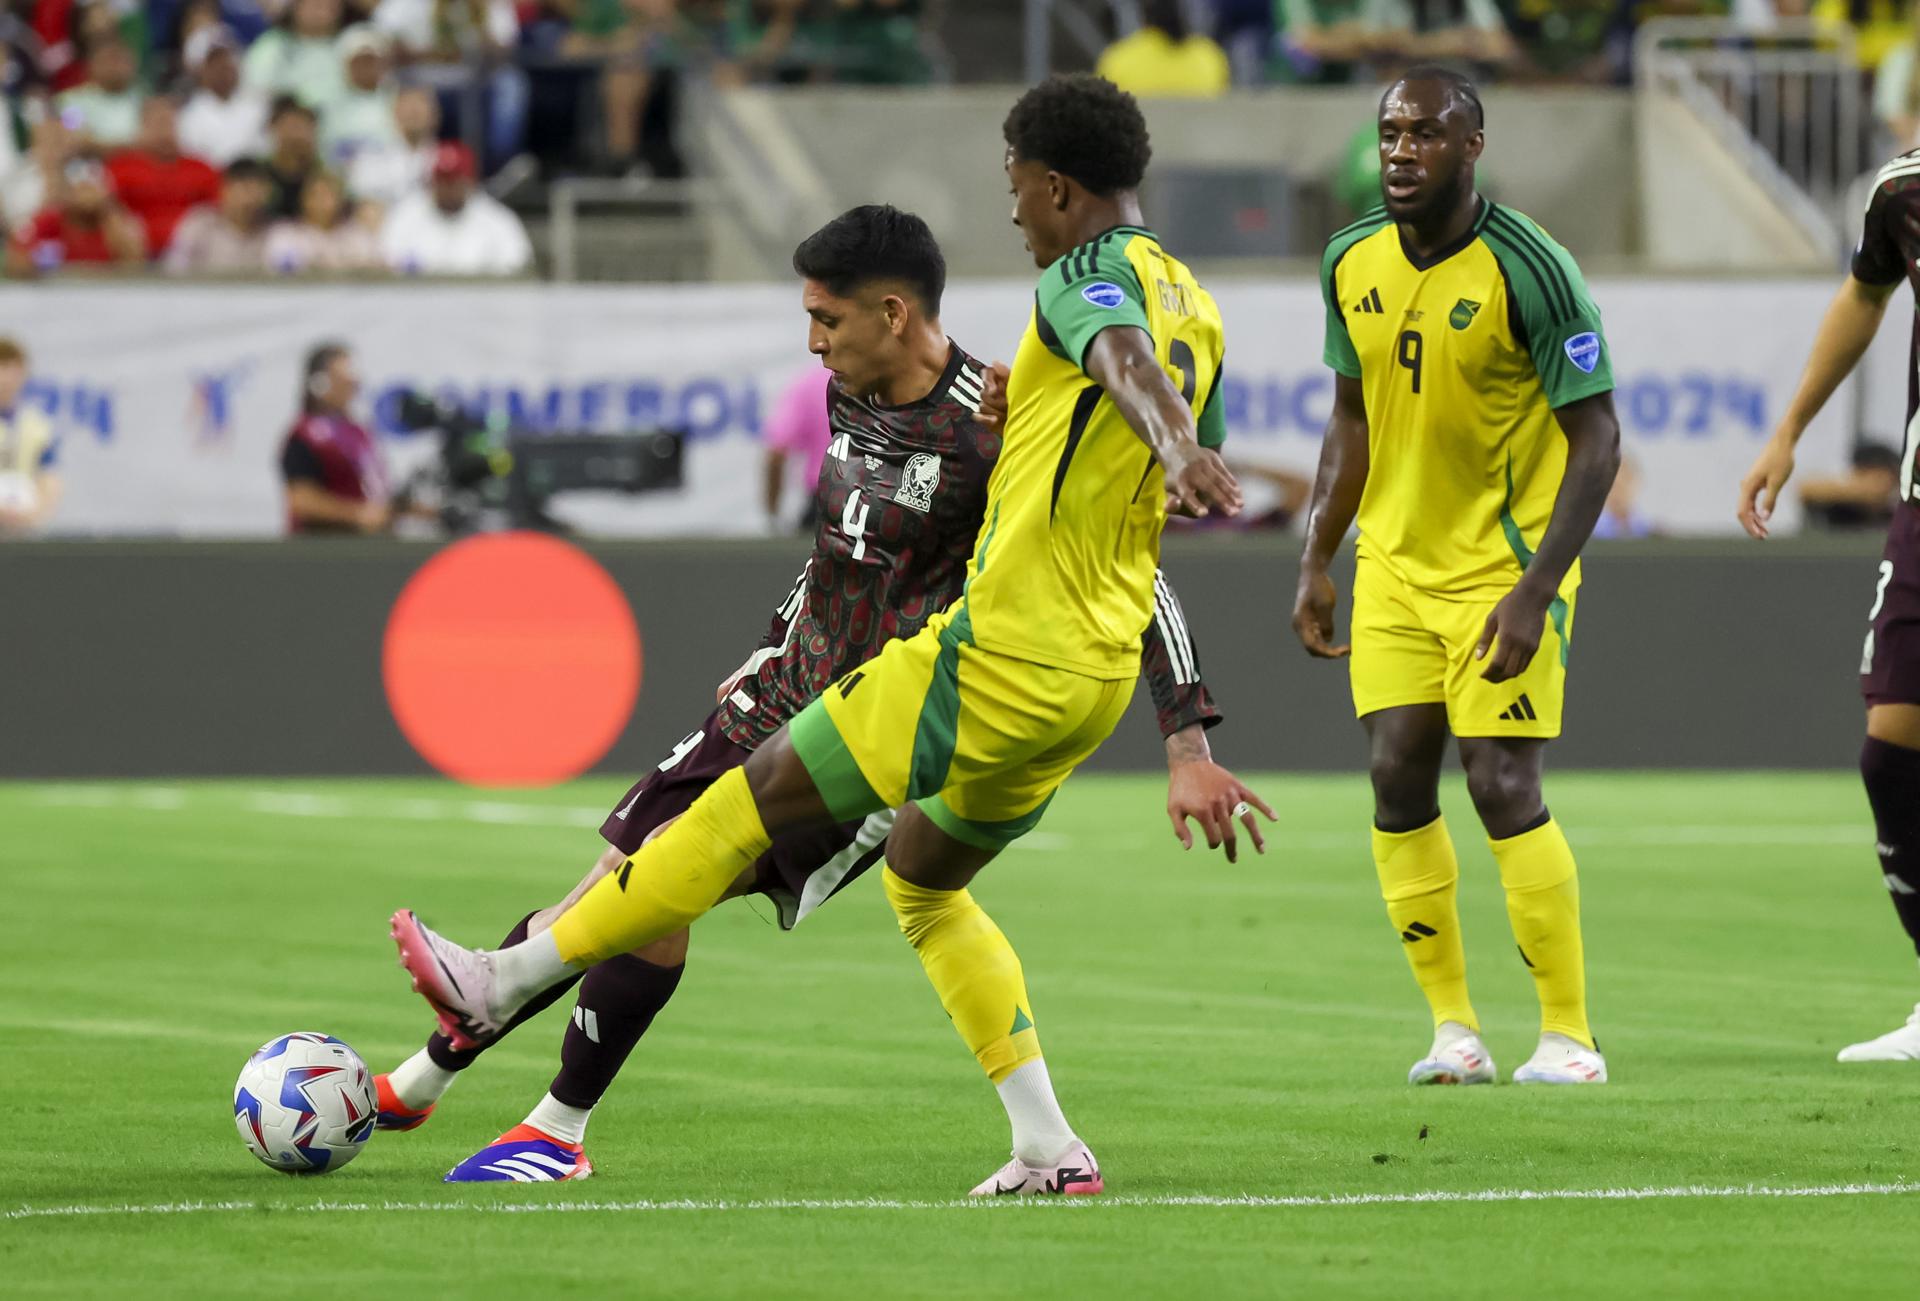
(172, 401)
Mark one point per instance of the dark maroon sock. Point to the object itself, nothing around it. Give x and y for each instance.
(618, 1001)
(1892, 776)
(449, 1058)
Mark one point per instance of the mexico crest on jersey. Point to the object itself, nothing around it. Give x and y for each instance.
(919, 481)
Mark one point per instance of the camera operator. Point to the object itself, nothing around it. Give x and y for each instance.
(335, 476)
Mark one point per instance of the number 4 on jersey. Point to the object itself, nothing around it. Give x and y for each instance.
(853, 523)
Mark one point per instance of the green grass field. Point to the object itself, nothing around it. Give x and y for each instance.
(1217, 1032)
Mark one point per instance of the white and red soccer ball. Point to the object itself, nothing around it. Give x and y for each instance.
(305, 1103)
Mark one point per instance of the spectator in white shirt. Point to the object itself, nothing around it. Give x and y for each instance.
(327, 237)
(440, 42)
(223, 120)
(297, 57)
(386, 174)
(455, 229)
(362, 117)
(105, 111)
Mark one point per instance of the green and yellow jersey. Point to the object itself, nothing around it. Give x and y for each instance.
(1463, 358)
(1062, 574)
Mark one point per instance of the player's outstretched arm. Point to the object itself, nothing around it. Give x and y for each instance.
(1336, 500)
(1852, 319)
(1198, 789)
(1120, 360)
(1512, 633)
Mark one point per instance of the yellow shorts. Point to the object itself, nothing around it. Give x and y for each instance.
(980, 741)
(1412, 647)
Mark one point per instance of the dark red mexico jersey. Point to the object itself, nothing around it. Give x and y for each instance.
(900, 502)
(1889, 252)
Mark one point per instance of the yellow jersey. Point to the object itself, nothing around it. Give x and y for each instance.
(1152, 65)
(1062, 573)
(1463, 357)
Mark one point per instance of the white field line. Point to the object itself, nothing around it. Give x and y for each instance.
(1248, 1200)
(172, 799)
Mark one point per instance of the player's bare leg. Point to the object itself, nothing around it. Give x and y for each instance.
(978, 978)
(1890, 767)
(671, 882)
(1543, 901)
(1419, 876)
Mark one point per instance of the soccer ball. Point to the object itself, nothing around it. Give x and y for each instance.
(305, 1103)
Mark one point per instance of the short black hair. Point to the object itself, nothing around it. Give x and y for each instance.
(1085, 127)
(247, 169)
(873, 242)
(1458, 84)
(285, 104)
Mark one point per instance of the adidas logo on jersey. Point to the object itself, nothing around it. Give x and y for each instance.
(1521, 712)
(1370, 305)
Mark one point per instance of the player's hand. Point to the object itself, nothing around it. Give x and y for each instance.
(1201, 790)
(1512, 633)
(993, 397)
(1313, 616)
(1199, 483)
(1760, 490)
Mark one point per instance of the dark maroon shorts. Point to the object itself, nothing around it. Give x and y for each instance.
(800, 872)
(1890, 664)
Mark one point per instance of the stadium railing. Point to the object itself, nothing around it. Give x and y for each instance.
(1789, 102)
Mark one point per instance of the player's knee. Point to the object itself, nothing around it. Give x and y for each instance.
(1405, 792)
(667, 951)
(1505, 795)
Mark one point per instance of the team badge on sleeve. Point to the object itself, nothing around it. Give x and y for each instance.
(1583, 350)
(1104, 294)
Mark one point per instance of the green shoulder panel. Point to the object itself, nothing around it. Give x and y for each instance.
(1088, 290)
(1552, 311)
(1339, 352)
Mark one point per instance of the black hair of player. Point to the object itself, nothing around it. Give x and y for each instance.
(1459, 86)
(1084, 127)
(874, 242)
(312, 381)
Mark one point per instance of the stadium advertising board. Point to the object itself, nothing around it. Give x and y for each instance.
(171, 401)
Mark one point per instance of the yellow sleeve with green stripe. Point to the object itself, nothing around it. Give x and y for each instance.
(1339, 353)
(1553, 313)
(1089, 290)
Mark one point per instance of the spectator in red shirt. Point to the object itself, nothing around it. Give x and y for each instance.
(158, 183)
(85, 226)
(335, 476)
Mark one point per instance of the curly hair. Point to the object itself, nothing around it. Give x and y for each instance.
(1085, 127)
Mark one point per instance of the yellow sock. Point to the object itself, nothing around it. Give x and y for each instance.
(1419, 878)
(676, 877)
(973, 969)
(1543, 903)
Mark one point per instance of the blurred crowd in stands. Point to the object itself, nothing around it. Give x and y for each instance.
(292, 137)
(1199, 48)
(251, 137)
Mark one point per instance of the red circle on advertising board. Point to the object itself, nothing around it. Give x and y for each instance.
(511, 659)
